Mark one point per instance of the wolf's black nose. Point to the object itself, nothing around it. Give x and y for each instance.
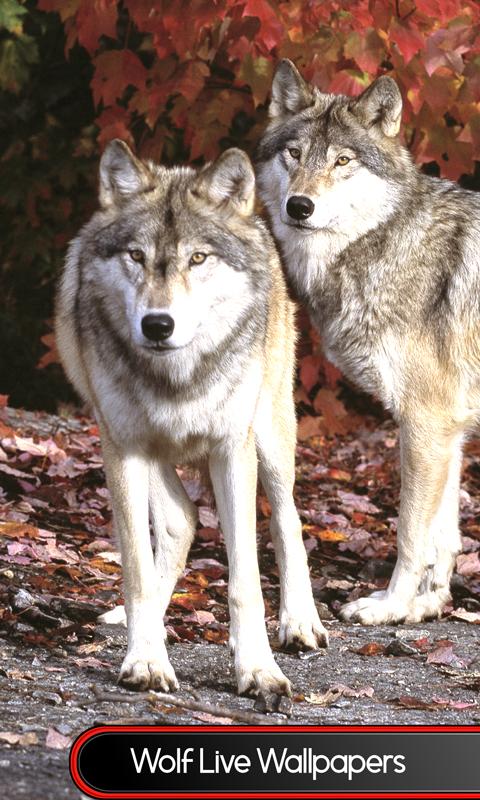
(300, 207)
(157, 327)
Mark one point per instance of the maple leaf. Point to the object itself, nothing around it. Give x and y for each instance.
(114, 123)
(308, 426)
(257, 73)
(16, 57)
(11, 15)
(192, 79)
(309, 371)
(51, 356)
(349, 81)
(271, 27)
(114, 71)
(366, 48)
(408, 40)
(95, 19)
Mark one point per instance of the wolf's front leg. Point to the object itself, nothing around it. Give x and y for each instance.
(300, 625)
(233, 469)
(174, 519)
(420, 582)
(146, 664)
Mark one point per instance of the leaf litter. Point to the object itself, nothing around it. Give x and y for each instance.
(60, 566)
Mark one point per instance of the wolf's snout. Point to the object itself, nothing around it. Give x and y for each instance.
(300, 207)
(157, 327)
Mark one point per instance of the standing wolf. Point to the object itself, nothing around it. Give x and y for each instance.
(174, 322)
(388, 262)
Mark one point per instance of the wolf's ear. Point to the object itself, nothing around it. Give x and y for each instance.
(121, 174)
(229, 180)
(380, 104)
(290, 93)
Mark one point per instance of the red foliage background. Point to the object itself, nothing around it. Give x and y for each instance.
(196, 66)
(182, 81)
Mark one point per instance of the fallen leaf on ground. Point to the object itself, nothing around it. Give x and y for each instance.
(56, 740)
(23, 739)
(371, 649)
(466, 616)
(468, 564)
(338, 690)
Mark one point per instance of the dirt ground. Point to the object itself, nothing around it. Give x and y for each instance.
(41, 692)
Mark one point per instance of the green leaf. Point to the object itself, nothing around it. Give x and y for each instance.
(257, 73)
(11, 13)
(16, 55)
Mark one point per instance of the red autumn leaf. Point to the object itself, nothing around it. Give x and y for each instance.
(114, 124)
(333, 411)
(51, 356)
(217, 635)
(332, 374)
(309, 371)
(190, 600)
(349, 81)
(184, 36)
(366, 48)
(192, 80)
(271, 28)
(95, 19)
(408, 40)
(371, 649)
(307, 427)
(264, 506)
(325, 535)
(114, 71)
(17, 530)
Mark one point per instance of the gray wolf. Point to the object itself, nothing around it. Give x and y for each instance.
(387, 260)
(174, 323)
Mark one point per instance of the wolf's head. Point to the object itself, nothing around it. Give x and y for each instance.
(330, 163)
(174, 255)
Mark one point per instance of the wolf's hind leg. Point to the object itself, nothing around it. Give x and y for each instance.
(146, 664)
(174, 519)
(434, 590)
(430, 469)
(233, 469)
(300, 625)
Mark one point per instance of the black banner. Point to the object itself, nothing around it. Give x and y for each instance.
(240, 761)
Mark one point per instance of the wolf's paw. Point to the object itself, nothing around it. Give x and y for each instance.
(378, 609)
(147, 672)
(428, 605)
(303, 633)
(262, 679)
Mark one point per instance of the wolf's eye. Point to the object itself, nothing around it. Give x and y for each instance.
(137, 255)
(294, 152)
(198, 258)
(342, 161)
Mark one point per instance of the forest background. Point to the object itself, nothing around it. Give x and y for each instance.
(180, 82)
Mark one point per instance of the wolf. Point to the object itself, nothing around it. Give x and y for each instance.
(173, 321)
(387, 260)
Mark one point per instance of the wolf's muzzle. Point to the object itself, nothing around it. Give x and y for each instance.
(157, 327)
(300, 207)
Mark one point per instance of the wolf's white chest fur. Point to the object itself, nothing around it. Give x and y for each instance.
(184, 429)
